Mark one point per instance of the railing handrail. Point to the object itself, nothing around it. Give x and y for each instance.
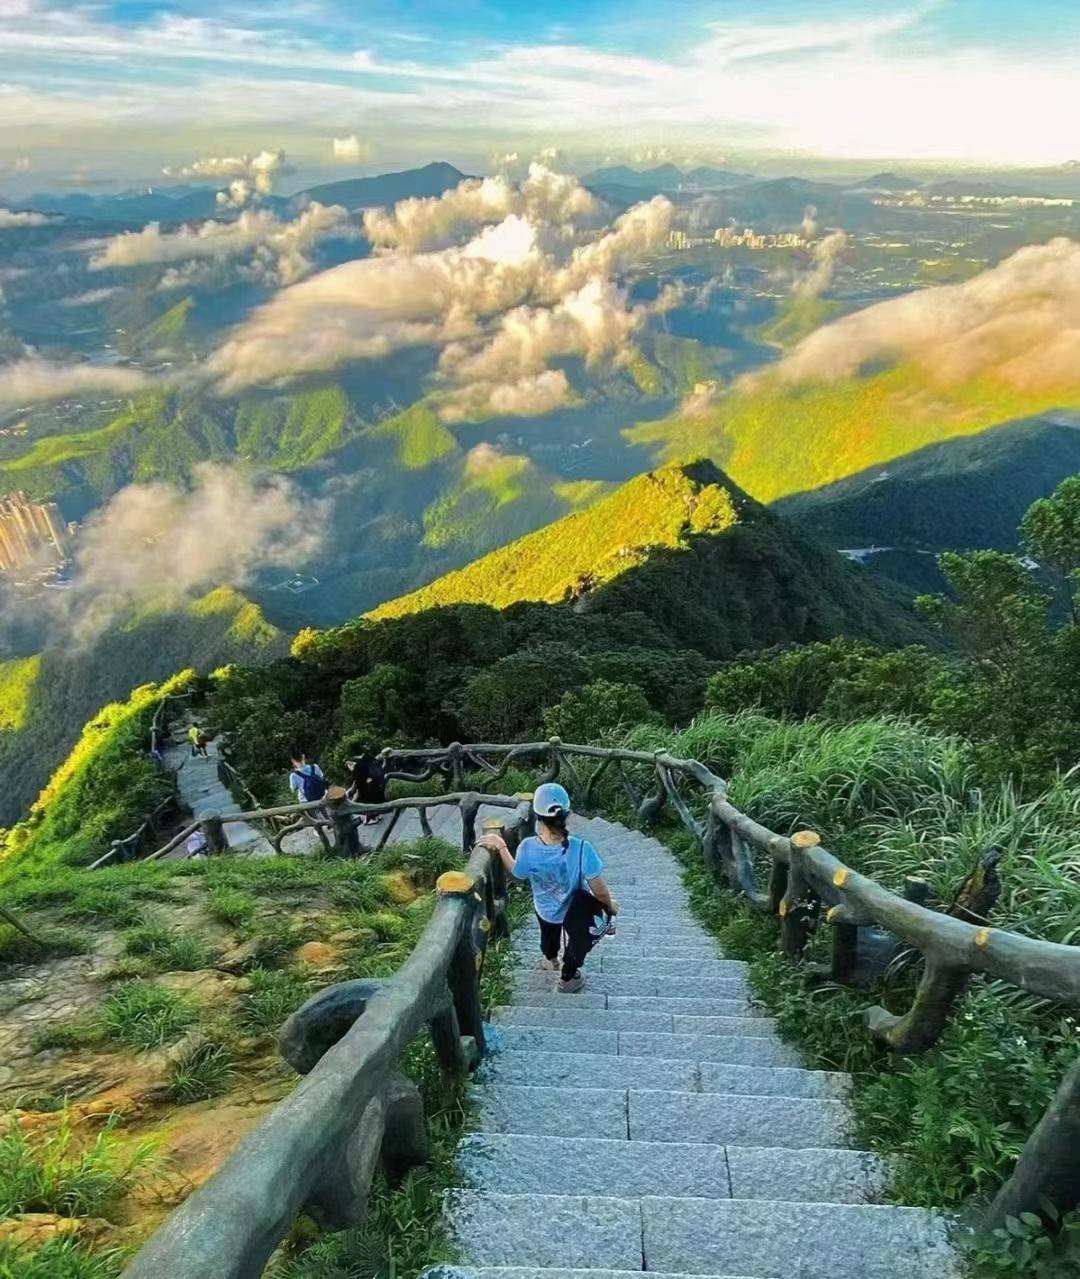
(317, 1149)
(260, 1202)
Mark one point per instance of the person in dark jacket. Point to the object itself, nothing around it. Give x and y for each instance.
(365, 777)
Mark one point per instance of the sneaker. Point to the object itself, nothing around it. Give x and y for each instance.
(571, 985)
(549, 965)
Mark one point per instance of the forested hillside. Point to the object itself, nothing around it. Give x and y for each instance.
(46, 698)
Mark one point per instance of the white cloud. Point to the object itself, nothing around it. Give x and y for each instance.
(824, 255)
(32, 380)
(259, 170)
(352, 149)
(1017, 323)
(156, 542)
(437, 221)
(277, 249)
(529, 288)
(91, 297)
(11, 218)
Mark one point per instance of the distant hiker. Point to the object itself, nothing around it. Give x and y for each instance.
(196, 845)
(366, 781)
(572, 902)
(306, 780)
(198, 740)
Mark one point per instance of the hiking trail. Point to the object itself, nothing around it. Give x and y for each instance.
(655, 1121)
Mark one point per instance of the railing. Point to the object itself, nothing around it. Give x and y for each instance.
(149, 830)
(807, 884)
(318, 1150)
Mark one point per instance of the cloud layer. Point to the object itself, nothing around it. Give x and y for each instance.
(156, 543)
(1017, 324)
(519, 279)
(277, 250)
(34, 380)
(11, 218)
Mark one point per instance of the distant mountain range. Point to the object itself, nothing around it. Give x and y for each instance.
(663, 179)
(183, 203)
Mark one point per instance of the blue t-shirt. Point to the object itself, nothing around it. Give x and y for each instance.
(556, 874)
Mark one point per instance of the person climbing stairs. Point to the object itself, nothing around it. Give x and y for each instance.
(656, 1121)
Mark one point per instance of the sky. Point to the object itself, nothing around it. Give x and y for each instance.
(104, 93)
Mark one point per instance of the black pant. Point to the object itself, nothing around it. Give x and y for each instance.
(579, 940)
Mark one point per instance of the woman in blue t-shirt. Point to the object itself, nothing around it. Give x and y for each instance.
(569, 895)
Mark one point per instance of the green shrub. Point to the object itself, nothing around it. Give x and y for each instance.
(204, 1070)
(142, 1014)
(53, 1174)
(598, 712)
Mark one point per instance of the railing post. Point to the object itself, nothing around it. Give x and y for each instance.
(495, 889)
(1049, 1165)
(552, 774)
(463, 974)
(214, 834)
(798, 903)
(346, 835)
(457, 769)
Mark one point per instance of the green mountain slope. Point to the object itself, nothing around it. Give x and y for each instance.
(46, 697)
(960, 494)
(688, 549)
(774, 439)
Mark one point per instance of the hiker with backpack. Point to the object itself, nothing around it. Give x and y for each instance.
(574, 906)
(366, 782)
(306, 781)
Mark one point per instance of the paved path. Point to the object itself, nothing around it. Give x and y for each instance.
(204, 794)
(657, 1122)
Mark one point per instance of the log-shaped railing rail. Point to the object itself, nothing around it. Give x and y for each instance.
(318, 1150)
(807, 885)
(149, 830)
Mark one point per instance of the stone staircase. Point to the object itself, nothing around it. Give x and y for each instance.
(655, 1121)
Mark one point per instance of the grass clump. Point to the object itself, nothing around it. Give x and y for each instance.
(275, 994)
(203, 1070)
(142, 1014)
(54, 1174)
(58, 1258)
(231, 906)
(165, 949)
(69, 1035)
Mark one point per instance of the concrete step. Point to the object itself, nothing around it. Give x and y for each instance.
(792, 1122)
(641, 983)
(573, 1231)
(529, 1165)
(557, 1069)
(635, 948)
(629, 1019)
(812, 1241)
(642, 1003)
(611, 963)
(541, 1111)
(523, 1272)
(548, 1163)
(733, 1050)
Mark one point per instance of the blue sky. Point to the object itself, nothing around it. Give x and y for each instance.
(108, 91)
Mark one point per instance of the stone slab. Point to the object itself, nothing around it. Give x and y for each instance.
(642, 983)
(571, 1231)
(812, 1241)
(523, 1272)
(569, 1018)
(748, 1120)
(543, 1111)
(577, 1070)
(673, 967)
(704, 1007)
(735, 1050)
(826, 1176)
(526, 1165)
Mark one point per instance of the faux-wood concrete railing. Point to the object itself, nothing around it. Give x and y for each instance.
(318, 1150)
(806, 883)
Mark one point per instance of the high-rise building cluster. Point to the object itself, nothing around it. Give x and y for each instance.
(31, 533)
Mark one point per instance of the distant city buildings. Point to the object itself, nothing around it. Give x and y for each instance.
(31, 534)
(730, 238)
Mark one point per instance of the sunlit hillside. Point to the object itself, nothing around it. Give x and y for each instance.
(775, 439)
